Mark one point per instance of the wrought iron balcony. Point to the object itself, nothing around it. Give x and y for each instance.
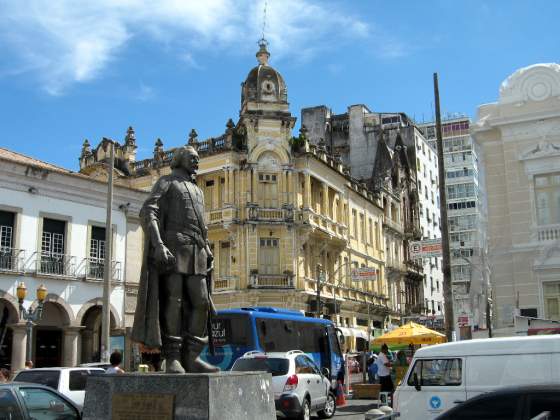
(54, 264)
(95, 269)
(11, 260)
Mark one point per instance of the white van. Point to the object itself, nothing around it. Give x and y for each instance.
(444, 375)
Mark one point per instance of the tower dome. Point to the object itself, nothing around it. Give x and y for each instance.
(263, 83)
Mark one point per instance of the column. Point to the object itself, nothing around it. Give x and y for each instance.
(216, 192)
(19, 346)
(307, 191)
(325, 203)
(87, 346)
(254, 185)
(226, 186)
(291, 198)
(70, 347)
(243, 188)
(231, 192)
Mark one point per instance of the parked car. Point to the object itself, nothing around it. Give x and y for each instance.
(70, 382)
(519, 403)
(444, 375)
(299, 387)
(32, 401)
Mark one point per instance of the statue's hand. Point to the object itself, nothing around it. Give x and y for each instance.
(209, 254)
(163, 255)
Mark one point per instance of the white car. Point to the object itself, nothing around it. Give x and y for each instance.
(70, 382)
(299, 387)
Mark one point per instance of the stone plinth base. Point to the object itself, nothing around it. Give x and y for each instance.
(155, 396)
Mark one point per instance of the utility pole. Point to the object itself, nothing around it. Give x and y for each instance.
(446, 266)
(108, 266)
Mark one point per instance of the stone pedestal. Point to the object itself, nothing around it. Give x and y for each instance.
(157, 396)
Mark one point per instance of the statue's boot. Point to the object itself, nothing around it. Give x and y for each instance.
(191, 355)
(172, 352)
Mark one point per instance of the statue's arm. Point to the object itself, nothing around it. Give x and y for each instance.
(151, 212)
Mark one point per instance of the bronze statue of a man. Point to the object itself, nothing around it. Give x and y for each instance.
(173, 297)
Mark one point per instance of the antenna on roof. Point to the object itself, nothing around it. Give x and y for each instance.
(264, 19)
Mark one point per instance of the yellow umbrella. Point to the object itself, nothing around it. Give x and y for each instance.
(411, 333)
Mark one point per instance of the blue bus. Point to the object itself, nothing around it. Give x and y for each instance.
(266, 329)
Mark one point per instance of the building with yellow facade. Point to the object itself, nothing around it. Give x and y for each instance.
(287, 222)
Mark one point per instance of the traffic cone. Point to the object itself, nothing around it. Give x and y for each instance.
(340, 398)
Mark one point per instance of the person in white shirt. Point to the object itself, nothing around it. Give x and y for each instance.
(115, 360)
(384, 370)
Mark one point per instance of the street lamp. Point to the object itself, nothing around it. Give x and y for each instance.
(30, 315)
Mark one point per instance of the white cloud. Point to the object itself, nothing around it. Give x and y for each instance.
(145, 92)
(62, 42)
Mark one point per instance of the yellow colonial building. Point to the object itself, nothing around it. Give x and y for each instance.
(286, 221)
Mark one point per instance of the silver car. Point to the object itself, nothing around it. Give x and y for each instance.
(299, 386)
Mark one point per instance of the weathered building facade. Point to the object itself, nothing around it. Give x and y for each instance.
(380, 151)
(287, 222)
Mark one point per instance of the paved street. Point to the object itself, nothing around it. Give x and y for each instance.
(353, 410)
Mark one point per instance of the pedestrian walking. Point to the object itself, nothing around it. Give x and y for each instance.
(29, 364)
(384, 370)
(115, 360)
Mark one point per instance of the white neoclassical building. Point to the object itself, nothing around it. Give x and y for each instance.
(52, 232)
(520, 138)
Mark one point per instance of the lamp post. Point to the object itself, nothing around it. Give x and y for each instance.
(30, 315)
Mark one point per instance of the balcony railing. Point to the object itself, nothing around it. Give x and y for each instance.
(54, 264)
(270, 214)
(223, 215)
(391, 224)
(95, 269)
(271, 281)
(11, 260)
(225, 283)
(324, 223)
(548, 233)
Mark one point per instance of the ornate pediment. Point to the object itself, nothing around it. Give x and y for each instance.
(543, 149)
(535, 83)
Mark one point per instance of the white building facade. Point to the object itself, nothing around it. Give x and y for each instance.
(52, 233)
(466, 215)
(520, 138)
(430, 219)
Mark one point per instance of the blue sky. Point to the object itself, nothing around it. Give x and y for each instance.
(72, 70)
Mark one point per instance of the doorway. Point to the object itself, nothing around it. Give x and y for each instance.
(48, 347)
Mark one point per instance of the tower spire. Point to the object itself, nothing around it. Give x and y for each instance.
(262, 54)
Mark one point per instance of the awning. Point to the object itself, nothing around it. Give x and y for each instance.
(359, 333)
(354, 332)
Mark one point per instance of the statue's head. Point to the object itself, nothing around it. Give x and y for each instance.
(185, 157)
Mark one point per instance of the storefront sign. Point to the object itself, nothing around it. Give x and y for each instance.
(364, 274)
(142, 406)
(425, 249)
